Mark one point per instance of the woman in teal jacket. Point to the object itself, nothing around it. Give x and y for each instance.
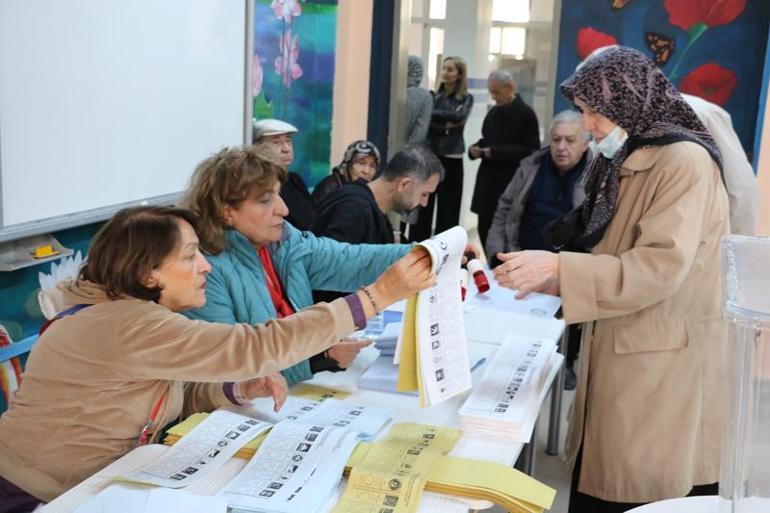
(262, 267)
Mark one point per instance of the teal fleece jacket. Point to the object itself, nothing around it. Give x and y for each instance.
(236, 290)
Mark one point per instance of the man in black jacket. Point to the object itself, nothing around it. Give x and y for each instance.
(357, 212)
(510, 132)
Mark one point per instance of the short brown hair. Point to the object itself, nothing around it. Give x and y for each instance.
(130, 245)
(228, 178)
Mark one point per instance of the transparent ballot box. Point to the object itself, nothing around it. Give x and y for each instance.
(744, 484)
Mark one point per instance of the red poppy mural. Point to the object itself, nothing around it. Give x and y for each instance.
(711, 82)
(696, 16)
(589, 39)
(713, 49)
(688, 13)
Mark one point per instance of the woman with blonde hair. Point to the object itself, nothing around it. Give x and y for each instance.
(452, 104)
(263, 267)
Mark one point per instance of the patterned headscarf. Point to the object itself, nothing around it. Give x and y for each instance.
(414, 71)
(627, 88)
(353, 150)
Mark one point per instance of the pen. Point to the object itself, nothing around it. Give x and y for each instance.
(478, 364)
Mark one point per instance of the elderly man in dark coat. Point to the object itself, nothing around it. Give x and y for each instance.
(510, 132)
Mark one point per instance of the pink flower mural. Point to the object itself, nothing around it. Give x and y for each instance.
(286, 9)
(257, 75)
(286, 64)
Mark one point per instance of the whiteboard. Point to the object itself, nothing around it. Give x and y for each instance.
(104, 103)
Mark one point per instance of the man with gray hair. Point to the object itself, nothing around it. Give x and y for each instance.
(510, 132)
(357, 212)
(547, 186)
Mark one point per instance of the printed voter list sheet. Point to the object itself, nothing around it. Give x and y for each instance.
(433, 348)
(296, 468)
(201, 452)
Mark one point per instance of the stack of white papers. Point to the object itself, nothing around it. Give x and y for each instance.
(382, 376)
(506, 403)
(297, 468)
(385, 342)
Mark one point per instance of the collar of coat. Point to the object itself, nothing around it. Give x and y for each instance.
(640, 160)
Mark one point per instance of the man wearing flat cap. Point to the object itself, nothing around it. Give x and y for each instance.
(275, 135)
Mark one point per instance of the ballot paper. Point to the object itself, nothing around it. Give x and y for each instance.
(506, 402)
(392, 473)
(432, 351)
(199, 454)
(473, 479)
(501, 298)
(296, 468)
(367, 420)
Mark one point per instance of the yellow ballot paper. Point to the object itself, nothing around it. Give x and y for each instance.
(389, 475)
(407, 368)
(432, 351)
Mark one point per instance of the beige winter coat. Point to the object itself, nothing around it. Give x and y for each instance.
(650, 399)
(93, 377)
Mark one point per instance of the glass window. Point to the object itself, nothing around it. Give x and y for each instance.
(514, 41)
(437, 10)
(435, 49)
(495, 34)
(512, 11)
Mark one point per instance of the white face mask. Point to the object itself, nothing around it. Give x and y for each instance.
(611, 144)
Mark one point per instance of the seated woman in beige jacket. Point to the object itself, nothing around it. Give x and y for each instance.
(641, 266)
(94, 376)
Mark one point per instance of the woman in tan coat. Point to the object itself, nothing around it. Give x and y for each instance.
(642, 270)
(124, 362)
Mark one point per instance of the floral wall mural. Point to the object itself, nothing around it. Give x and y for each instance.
(293, 75)
(714, 49)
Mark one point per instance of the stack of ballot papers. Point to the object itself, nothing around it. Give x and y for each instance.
(506, 403)
(386, 341)
(459, 477)
(297, 468)
(366, 420)
(432, 351)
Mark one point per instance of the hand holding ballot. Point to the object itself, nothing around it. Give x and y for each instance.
(529, 271)
(403, 279)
